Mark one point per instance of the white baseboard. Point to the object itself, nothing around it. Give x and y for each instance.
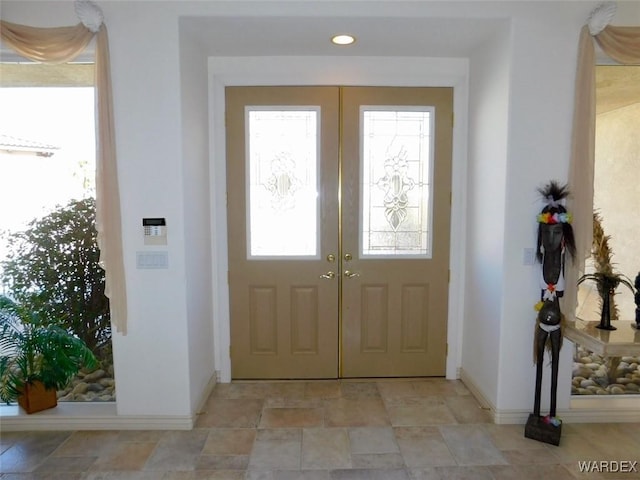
(475, 391)
(95, 416)
(608, 414)
(207, 392)
(583, 409)
(604, 409)
(87, 416)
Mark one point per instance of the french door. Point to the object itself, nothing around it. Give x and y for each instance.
(338, 204)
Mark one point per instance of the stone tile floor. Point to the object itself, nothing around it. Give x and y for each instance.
(418, 429)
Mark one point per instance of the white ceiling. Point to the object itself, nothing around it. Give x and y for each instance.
(617, 87)
(375, 36)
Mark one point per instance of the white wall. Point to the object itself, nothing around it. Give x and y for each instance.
(152, 360)
(484, 289)
(540, 111)
(197, 215)
(521, 101)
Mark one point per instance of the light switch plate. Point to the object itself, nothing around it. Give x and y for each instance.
(528, 256)
(152, 260)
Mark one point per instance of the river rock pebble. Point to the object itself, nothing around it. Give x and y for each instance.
(96, 386)
(591, 377)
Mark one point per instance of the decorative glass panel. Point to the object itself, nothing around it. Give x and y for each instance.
(282, 146)
(396, 164)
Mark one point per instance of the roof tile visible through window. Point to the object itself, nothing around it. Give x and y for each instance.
(9, 144)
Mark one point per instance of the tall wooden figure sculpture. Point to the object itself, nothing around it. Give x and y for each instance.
(555, 240)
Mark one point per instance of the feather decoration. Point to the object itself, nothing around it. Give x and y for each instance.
(601, 16)
(89, 14)
(553, 192)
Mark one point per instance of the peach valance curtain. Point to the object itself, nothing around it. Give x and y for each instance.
(623, 45)
(63, 44)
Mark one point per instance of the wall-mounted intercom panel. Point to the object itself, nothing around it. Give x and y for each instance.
(155, 231)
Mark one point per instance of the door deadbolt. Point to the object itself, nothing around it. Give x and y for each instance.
(348, 257)
(331, 258)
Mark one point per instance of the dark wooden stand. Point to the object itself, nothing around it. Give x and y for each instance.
(537, 429)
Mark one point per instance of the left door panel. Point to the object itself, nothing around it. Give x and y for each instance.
(282, 222)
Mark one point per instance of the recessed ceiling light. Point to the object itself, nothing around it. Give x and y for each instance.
(343, 39)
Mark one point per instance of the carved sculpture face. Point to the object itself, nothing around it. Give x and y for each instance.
(551, 236)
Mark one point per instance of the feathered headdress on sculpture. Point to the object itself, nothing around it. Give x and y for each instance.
(555, 212)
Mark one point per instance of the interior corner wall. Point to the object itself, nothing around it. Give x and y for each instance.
(197, 217)
(488, 134)
(540, 126)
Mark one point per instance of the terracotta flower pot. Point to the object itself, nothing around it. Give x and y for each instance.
(35, 397)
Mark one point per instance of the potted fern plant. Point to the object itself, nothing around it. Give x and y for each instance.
(37, 357)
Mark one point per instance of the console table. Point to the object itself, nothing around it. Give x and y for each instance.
(625, 341)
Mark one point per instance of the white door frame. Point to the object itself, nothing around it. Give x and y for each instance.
(345, 71)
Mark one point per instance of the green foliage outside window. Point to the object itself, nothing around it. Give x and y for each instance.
(52, 267)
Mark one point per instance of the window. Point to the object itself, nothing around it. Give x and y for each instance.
(616, 196)
(282, 147)
(397, 195)
(47, 163)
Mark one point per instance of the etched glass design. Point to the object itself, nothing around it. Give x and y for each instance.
(396, 193)
(282, 146)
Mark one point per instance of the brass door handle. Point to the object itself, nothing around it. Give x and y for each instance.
(328, 275)
(350, 274)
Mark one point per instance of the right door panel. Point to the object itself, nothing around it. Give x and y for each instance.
(395, 202)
